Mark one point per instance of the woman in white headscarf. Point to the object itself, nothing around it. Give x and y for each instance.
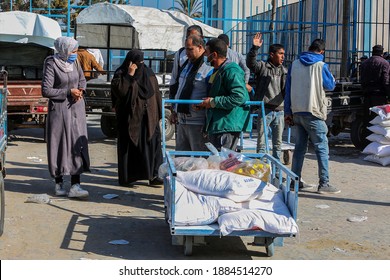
(66, 126)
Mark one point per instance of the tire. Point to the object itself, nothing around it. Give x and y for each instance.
(108, 126)
(2, 205)
(358, 134)
(169, 128)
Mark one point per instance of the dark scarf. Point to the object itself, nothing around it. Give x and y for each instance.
(141, 75)
(189, 86)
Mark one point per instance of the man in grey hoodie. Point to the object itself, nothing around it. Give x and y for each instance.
(305, 107)
(270, 84)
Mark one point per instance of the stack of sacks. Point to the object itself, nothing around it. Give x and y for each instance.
(379, 148)
(237, 202)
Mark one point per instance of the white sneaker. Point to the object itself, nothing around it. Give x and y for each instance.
(59, 189)
(77, 191)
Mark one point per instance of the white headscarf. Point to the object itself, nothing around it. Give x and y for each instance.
(64, 47)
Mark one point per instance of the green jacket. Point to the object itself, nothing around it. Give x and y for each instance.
(229, 93)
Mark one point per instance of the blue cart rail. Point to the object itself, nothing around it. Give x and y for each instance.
(3, 142)
(280, 176)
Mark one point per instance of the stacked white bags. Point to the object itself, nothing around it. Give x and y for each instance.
(379, 148)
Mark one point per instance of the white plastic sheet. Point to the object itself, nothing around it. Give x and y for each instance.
(25, 28)
(135, 27)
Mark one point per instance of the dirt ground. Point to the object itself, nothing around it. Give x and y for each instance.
(70, 229)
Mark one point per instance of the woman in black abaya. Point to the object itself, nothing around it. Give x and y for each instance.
(137, 102)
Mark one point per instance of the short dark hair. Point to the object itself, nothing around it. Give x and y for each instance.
(196, 28)
(196, 40)
(317, 45)
(275, 48)
(377, 50)
(224, 38)
(218, 46)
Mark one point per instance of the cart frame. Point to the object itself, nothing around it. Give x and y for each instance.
(185, 235)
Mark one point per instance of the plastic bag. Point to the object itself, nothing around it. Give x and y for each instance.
(229, 163)
(212, 148)
(254, 168)
(214, 161)
(226, 153)
(221, 160)
(183, 164)
(190, 163)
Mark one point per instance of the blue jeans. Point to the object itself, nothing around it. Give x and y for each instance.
(309, 127)
(275, 122)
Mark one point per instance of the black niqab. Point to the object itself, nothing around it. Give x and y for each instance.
(141, 75)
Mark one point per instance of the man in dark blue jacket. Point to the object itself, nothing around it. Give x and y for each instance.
(375, 79)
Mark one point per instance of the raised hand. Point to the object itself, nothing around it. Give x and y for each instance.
(257, 39)
(132, 68)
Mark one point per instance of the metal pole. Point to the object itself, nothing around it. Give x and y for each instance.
(68, 20)
(345, 39)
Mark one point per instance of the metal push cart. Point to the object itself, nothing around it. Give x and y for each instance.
(3, 142)
(185, 235)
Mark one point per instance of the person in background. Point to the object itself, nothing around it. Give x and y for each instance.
(386, 56)
(192, 85)
(227, 114)
(98, 56)
(270, 85)
(238, 58)
(356, 72)
(305, 108)
(88, 63)
(180, 61)
(64, 84)
(375, 80)
(137, 102)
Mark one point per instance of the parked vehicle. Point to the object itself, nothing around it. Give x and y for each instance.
(346, 110)
(25, 41)
(119, 28)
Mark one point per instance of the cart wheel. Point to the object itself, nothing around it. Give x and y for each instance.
(287, 156)
(269, 246)
(169, 128)
(358, 134)
(2, 206)
(188, 242)
(108, 126)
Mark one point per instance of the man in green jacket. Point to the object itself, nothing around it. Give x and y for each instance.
(227, 115)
